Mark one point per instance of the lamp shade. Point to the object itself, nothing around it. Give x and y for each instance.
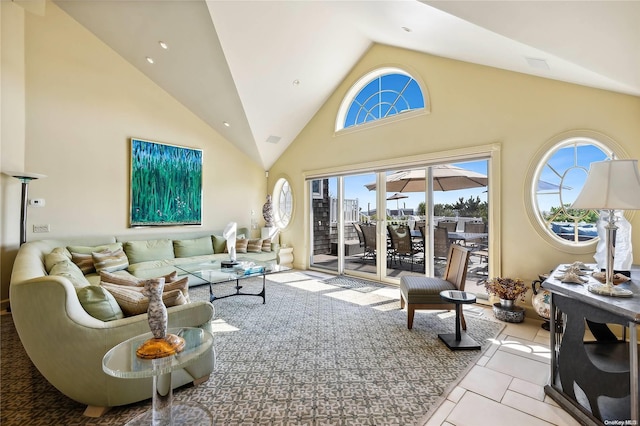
(612, 184)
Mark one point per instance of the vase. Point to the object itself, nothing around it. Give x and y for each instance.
(157, 311)
(507, 303)
(507, 311)
(162, 344)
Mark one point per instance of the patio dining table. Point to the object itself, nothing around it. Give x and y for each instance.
(468, 236)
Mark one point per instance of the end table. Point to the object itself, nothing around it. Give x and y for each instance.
(458, 341)
(122, 361)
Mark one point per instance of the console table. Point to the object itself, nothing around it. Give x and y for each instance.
(605, 370)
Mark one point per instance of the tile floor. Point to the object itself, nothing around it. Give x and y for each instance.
(506, 385)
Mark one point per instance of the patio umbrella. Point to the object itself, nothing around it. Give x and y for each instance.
(397, 196)
(446, 177)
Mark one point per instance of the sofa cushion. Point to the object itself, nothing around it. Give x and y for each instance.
(110, 261)
(266, 245)
(133, 302)
(81, 255)
(71, 271)
(219, 244)
(99, 303)
(145, 250)
(193, 247)
(254, 245)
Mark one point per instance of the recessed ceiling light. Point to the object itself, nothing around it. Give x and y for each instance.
(164, 45)
(226, 124)
(150, 60)
(407, 29)
(296, 82)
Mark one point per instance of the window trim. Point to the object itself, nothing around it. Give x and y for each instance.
(536, 165)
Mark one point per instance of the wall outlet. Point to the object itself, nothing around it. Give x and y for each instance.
(40, 228)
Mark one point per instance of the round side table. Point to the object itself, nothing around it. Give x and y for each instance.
(458, 341)
(122, 361)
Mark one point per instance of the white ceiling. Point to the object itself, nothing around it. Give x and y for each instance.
(236, 61)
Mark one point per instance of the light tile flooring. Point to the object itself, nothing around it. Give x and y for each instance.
(506, 385)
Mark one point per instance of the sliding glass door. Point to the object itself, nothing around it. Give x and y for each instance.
(407, 227)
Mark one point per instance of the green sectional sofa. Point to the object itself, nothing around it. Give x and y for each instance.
(67, 322)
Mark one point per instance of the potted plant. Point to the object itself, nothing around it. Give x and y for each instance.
(508, 290)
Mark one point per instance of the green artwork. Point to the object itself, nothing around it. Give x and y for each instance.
(166, 184)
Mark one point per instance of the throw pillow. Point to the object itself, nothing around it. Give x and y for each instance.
(133, 302)
(57, 255)
(254, 245)
(99, 303)
(146, 250)
(181, 284)
(110, 261)
(86, 262)
(219, 244)
(241, 245)
(266, 244)
(194, 247)
(70, 270)
(125, 278)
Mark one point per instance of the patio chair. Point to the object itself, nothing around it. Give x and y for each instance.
(358, 229)
(417, 292)
(449, 224)
(403, 246)
(475, 228)
(441, 243)
(369, 237)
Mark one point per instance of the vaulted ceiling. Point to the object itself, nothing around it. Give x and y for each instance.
(257, 71)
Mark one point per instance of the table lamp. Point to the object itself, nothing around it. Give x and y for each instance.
(25, 178)
(611, 185)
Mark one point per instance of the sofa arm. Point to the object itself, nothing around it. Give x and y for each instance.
(67, 345)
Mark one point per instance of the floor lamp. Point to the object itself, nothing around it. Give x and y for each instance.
(25, 178)
(610, 185)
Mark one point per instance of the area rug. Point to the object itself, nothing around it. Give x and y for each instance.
(317, 353)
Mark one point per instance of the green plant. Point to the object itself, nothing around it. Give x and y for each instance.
(506, 288)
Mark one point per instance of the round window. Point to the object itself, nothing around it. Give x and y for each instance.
(282, 203)
(557, 182)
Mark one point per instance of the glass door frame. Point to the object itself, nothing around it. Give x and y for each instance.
(491, 153)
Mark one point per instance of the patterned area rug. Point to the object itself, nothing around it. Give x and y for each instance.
(333, 352)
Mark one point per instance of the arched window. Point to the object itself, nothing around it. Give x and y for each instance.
(383, 93)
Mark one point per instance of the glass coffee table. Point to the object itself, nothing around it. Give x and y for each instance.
(213, 272)
(122, 361)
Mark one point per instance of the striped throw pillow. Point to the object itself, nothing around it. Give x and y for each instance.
(110, 261)
(254, 245)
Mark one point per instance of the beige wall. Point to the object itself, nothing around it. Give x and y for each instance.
(12, 125)
(83, 104)
(471, 105)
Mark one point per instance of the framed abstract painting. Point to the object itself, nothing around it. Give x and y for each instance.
(166, 184)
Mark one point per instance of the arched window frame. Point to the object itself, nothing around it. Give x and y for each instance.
(351, 94)
(283, 203)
